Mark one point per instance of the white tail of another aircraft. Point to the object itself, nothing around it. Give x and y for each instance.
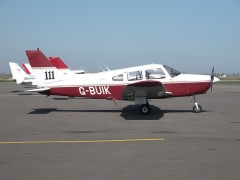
(17, 73)
(27, 68)
(20, 76)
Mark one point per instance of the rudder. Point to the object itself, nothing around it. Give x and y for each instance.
(44, 71)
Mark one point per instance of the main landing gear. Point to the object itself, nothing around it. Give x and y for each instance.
(143, 106)
(197, 108)
(144, 109)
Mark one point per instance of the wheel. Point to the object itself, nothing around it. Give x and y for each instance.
(144, 109)
(197, 110)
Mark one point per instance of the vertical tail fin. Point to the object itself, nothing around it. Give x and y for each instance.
(37, 59)
(44, 71)
(58, 63)
(17, 72)
(27, 68)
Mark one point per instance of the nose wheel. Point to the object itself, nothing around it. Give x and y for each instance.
(197, 108)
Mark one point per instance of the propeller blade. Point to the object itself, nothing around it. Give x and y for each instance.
(212, 78)
(212, 75)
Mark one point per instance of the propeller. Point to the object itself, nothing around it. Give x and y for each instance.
(212, 78)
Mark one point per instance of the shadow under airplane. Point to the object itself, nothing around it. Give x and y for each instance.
(130, 112)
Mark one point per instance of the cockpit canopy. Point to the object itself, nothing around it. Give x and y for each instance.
(150, 72)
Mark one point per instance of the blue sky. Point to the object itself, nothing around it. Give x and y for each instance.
(191, 36)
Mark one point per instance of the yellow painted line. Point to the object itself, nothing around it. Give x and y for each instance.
(84, 141)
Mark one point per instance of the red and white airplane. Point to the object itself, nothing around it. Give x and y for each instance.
(140, 83)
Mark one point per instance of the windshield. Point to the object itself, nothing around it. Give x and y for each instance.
(172, 72)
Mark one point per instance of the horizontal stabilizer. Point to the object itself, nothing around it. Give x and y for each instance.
(38, 90)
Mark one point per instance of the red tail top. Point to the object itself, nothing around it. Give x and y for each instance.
(38, 59)
(26, 69)
(58, 63)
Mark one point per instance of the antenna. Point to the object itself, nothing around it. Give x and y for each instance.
(101, 68)
(106, 67)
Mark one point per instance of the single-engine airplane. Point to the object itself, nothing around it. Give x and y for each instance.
(138, 84)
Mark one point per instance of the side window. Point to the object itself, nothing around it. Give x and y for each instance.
(154, 73)
(118, 77)
(135, 75)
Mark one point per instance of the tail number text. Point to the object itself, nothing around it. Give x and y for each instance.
(49, 75)
(93, 90)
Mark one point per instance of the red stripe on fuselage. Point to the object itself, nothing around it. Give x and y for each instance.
(108, 92)
(97, 92)
(187, 89)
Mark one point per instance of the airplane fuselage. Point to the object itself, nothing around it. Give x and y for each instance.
(111, 84)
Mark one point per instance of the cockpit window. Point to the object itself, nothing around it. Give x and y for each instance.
(154, 73)
(135, 75)
(172, 72)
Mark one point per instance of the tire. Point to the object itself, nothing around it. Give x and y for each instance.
(197, 110)
(145, 109)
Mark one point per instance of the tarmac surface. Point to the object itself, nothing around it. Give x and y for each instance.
(71, 138)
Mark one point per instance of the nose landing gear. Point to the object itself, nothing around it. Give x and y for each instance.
(197, 108)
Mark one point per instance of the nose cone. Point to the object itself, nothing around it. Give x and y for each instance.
(215, 80)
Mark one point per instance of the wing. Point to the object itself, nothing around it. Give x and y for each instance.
(149, 89)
